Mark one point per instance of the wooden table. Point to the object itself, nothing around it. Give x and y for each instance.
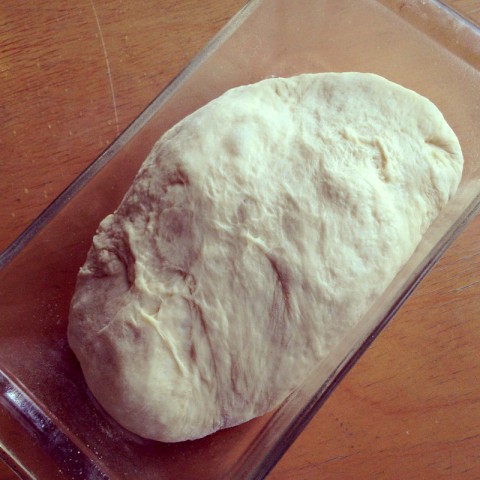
(411, 407)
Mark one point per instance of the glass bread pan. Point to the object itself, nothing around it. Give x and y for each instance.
(50, 426)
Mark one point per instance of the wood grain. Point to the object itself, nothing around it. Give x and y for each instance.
(76, 74)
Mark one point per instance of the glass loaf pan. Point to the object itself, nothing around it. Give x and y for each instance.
(50, 426)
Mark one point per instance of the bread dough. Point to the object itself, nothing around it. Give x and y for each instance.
(257, 232)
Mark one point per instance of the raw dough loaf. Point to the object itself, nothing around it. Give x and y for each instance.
(258, 231)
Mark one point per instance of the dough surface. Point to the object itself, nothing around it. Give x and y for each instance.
(258, 231)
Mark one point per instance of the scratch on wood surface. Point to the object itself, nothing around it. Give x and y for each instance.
(464, 287)
(107, 62)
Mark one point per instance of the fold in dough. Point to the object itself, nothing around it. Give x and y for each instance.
(257, 232)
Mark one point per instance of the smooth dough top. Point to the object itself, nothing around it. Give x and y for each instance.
(257, 232)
